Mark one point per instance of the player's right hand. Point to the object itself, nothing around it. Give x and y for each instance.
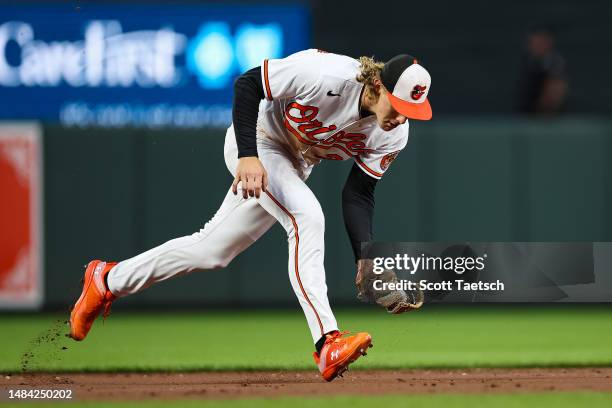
(253, 176)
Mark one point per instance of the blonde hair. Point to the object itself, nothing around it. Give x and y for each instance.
(369, 70)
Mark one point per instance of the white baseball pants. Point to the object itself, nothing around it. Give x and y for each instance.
(236, 225)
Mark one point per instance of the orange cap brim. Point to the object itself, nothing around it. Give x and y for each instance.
(420, 111)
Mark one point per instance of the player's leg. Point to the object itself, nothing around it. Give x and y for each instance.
(236, 225)
(295, 206)
(292, 203)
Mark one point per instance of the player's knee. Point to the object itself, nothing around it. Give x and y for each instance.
(216, 262)
(313, 222)
(222, 263)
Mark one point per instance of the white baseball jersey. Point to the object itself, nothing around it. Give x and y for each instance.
(311, 112)
(312, 106)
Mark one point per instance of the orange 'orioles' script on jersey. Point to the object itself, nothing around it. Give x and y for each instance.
(312, 107)
(305, 118)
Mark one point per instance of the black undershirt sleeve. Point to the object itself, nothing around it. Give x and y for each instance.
(358, 208)
(248, 92)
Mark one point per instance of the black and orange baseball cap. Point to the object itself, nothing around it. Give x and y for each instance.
(407, 84)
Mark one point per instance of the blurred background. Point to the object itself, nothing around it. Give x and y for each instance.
(114, 114)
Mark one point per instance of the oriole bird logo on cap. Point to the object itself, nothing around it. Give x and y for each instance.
(417, 92)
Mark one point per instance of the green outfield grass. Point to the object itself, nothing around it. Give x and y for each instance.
(433, 337)
(550, 400)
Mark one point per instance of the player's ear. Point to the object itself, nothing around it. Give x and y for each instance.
(377, 88)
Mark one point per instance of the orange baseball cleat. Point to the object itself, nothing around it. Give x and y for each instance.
(338, 352)
(94, 297)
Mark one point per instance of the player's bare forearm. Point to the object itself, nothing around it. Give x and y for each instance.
(253, 176)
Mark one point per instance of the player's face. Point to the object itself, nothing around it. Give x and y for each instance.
(387, 117)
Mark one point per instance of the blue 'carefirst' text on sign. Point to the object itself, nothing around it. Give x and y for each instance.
(139, 65)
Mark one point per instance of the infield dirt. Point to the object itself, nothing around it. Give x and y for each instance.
(221, 385)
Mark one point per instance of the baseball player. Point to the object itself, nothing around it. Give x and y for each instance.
(288, 115)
